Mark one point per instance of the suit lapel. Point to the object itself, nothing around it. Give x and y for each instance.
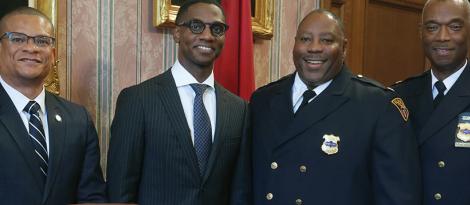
(328, 101)
(10, 118)
(57, 133)
(221, 122)
(455, 101)
(172, 103)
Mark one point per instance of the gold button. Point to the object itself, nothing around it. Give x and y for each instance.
(274, 165)
(441, 164)
(437, 196)
(303, 168)
(298, 201)
(269, 196)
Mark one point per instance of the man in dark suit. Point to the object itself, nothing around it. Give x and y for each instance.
(325, 136)
(439, 102)
(180, 138)
(48, 146)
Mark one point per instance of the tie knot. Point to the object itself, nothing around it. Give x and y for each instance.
(440, 87)
(199, 88)
(32, 107)
(309, 94)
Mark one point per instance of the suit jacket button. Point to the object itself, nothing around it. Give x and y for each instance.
(274, 165)
(441, 164)
(437, 196)
(303, 168)
(269, 196)
(298, 201)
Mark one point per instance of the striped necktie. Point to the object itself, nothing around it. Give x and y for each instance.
(38, 138)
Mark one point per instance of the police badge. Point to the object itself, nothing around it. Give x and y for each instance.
(330, 145)
(462, 136)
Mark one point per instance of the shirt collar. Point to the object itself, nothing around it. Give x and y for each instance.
(183, 77)
(20, 101)
(449, 81)
(299, 88)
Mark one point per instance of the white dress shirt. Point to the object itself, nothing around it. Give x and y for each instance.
(448, 82)
(299, 88)
(20, 101)
(183, 79)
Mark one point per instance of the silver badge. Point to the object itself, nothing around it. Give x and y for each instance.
(330, 145)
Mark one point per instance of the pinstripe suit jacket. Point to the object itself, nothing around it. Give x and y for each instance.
(152, 159)
(74, 173)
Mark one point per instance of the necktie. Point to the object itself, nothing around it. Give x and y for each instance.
(38, 138)
(307, 96)
(440, 88)
(202, 128)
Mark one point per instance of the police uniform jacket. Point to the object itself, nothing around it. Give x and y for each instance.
(376, 161)
(445, 167)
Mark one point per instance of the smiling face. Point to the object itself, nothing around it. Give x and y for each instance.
(199, 51)
(28, 64)
(319, 49)
(444, 35)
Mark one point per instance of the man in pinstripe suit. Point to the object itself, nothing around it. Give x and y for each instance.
(154, 155)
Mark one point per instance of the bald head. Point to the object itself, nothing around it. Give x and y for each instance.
(464, 4)
(330, 15)
(24, 11)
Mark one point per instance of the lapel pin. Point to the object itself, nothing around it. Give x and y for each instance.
(330, 145)
(58, 118)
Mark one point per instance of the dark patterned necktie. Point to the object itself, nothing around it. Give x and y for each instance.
(440, 88)
(202, 128)
(307, 96)
(38, 138)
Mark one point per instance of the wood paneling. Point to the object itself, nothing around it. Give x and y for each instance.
(383, 37)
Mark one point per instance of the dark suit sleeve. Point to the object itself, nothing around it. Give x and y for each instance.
(241, 185)
(395, 165)
(126, 149)
(91, 187)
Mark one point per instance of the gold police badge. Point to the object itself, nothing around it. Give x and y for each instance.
(330, 144)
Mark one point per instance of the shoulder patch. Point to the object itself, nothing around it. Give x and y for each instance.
(400, 105)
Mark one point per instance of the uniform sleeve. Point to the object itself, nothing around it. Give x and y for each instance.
(125, 149)
(395, 164)
(91, 187)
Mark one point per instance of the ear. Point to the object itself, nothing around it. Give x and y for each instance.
(177, 34)
(345, 47)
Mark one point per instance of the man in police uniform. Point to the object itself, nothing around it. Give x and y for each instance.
(439, 102)
(324, 136)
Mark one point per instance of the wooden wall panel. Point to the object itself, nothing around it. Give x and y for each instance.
(392, 46)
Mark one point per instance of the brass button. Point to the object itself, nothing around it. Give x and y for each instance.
(441, 164)
(303, 169)
(269, 196)
(274, 165)
(437, 196)
(298, 201)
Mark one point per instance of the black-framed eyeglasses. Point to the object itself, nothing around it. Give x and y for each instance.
(197, 26)
(21, 39)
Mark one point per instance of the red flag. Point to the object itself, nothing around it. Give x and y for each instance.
(234, 68)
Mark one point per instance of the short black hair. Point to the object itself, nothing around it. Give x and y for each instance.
(24, 11)
(184, 8)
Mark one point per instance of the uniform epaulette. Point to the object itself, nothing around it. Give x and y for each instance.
(369, 81)
(275, 82)
(409, 78)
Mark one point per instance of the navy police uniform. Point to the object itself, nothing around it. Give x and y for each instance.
(445, 165)
(350, 145)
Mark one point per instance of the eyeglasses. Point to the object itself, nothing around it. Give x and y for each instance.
(197, 26)
(21, 39)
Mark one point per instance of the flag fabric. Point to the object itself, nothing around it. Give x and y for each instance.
(234, 68)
